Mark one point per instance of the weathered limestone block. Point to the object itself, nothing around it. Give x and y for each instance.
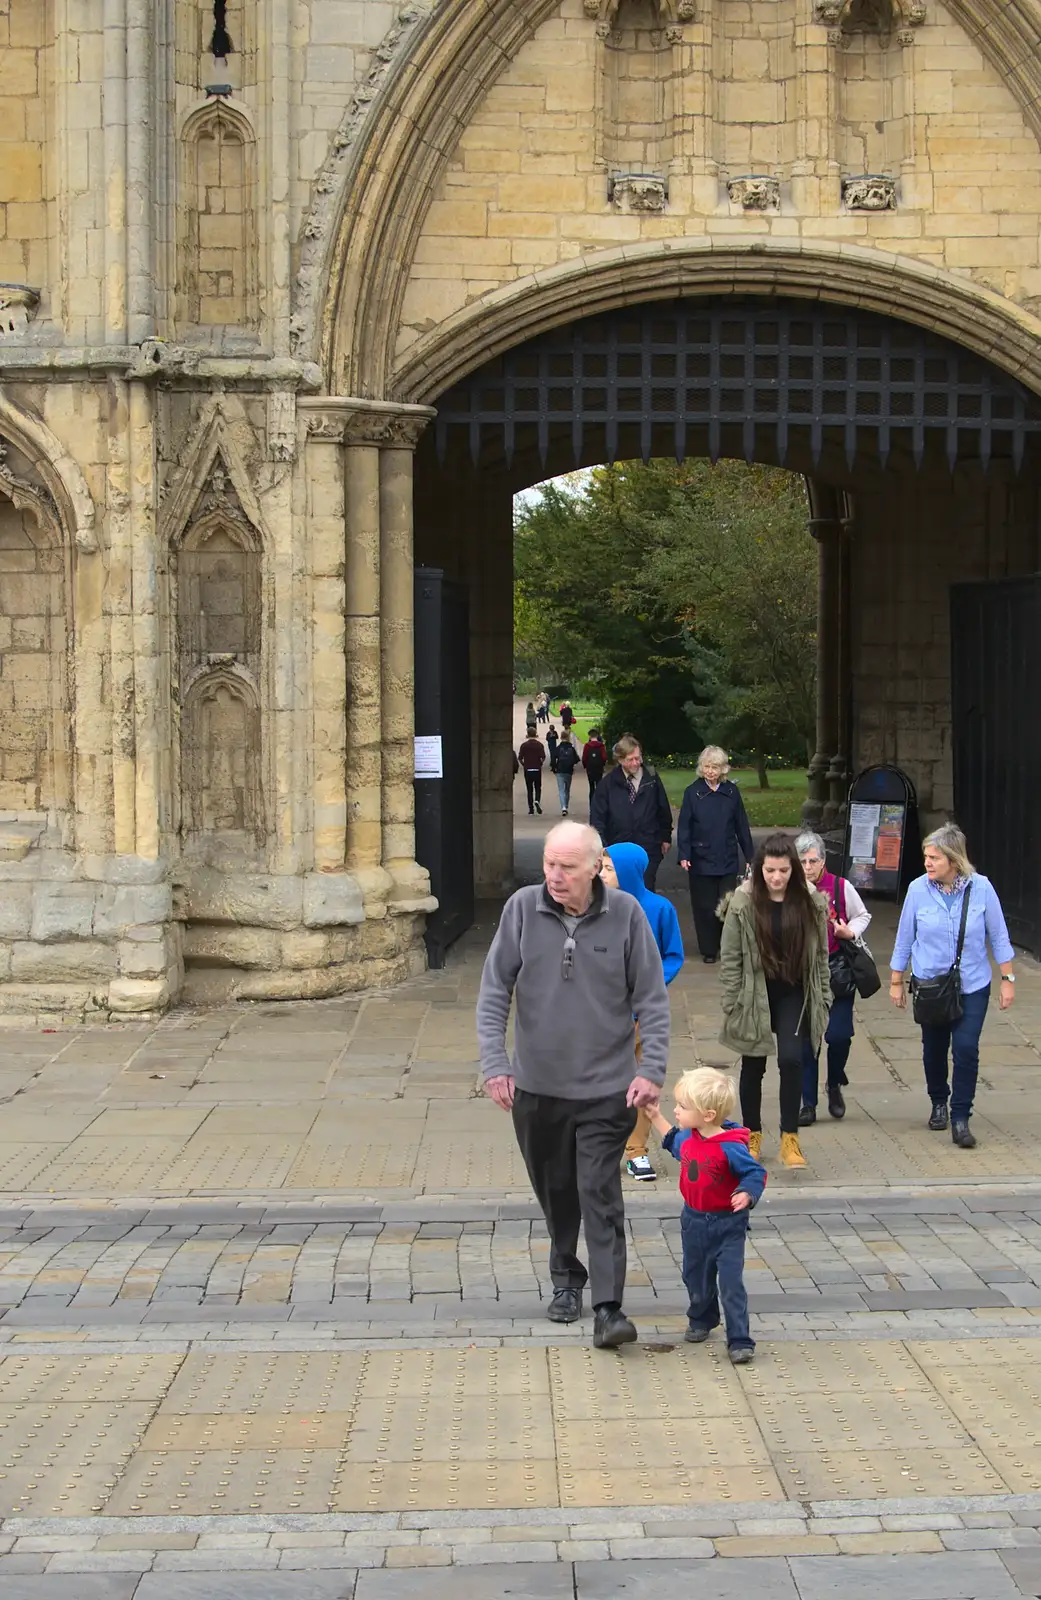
(301, 950)
(54, 999)
(123, 907)
(63, 911)
(5, 961)
(133, 995)
(16, 910)
(18, 838)
(332, 900)
(138, 959)
(225, 946)
(32, 962)
(252, 899)
(124, 869)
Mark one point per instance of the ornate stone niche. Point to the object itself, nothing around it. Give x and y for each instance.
(755, 192)
(221, 790)
(218, 237)
(871, 192)
(18, 307)
(875, 89)
(638, 66)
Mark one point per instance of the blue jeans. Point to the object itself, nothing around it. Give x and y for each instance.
(714, 1271)
(564, 788)
(838, 1038)
(963, 1042)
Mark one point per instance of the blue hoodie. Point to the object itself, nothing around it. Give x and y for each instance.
(630, 863)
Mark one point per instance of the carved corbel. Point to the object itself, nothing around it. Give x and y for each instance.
(18, 307)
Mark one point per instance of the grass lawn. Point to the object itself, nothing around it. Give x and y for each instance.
(780, 806)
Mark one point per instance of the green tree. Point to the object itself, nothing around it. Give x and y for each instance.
(686, 589)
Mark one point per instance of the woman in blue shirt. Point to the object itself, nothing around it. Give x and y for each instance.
(927, 939)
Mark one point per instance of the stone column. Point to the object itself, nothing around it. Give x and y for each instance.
(826, 528)
(397, 656)
(362, 642)
(325, 511)
(149, 705)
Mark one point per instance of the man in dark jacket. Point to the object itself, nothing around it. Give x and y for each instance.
(713, 828)
(631, 807)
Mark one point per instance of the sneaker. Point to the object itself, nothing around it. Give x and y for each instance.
(611, 1329)
(565, 1306)
(938, 1119)
(538, 809)
(640, 1168)
(741, 1356)
(564, 812)
(807, 1116)
(697, 1335)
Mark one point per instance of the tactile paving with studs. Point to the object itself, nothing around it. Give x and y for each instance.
(239, 1432)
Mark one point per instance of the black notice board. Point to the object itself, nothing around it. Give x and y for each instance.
(882, 844)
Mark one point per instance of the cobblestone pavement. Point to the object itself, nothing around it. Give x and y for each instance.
(272, 1326)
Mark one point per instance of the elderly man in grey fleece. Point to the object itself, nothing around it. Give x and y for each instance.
(581, 961)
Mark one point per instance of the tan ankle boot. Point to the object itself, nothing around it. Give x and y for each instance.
(755, 1144)
(791, 1155)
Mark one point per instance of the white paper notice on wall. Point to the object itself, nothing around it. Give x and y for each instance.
(429, 762)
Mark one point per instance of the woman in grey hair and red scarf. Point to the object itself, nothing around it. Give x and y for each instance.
(847, 918)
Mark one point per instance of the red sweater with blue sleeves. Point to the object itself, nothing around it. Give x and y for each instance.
(712, 1170)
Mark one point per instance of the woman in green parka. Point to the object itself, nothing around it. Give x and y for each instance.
(774, 983)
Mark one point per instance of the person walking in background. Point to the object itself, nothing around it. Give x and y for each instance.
(552, 739)
(567, 716)
(543, 705)
(532, 758)
(774, 983)
(529, 712)
(594, 759)
(630, 806)
(949, 917)
(848, 917)
(584, 955)
(623, 867)
(567, 761)
(712, 832)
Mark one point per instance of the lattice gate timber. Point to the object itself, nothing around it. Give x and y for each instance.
(780, 381)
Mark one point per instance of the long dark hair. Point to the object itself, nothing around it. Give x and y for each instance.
(788, 960)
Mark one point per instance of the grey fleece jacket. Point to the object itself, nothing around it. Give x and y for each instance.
(573, 1034)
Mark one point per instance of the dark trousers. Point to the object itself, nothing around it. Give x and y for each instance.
(714, 1271)
(838, 1038)
(962, 1041)
(593, 782)
(785, 1011)
(705, 895)
(654, 860)
(573, 1152)
(533, 784)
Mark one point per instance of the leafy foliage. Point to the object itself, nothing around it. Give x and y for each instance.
(685, 594)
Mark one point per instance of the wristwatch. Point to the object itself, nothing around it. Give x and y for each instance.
(1008, 977)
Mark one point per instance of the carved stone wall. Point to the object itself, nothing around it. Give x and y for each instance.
(25, 65)
(34, 707)
(218, 240)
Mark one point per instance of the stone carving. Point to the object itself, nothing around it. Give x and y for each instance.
(871, 192)
(18, 307)
(281, 425)
(668, 10)
(329, 189)
(755, 192)
(326, 427)
(591, 7)
(639, 192)
(868, 16)
(687, 10)
(27, 495)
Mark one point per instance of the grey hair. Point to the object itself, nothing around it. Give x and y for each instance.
(810, 841)
(951, 842)
(715, 756)
(589, 836)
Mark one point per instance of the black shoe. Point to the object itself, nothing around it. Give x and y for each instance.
(612, 1328)
(710, 961)
(836, 1104)
(962, 1136)
(807, 1116)
(565, 1306)
(938, 1120)
(531, 811)
(697, 1335)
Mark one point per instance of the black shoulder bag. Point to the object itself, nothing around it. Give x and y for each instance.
(937, 1001)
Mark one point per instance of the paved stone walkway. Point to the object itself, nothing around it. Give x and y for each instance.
(272, 1293)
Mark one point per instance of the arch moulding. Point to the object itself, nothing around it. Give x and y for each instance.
(60, 472)
(386, 163)
(957, 309)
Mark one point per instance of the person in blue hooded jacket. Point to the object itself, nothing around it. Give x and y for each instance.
(624, 865)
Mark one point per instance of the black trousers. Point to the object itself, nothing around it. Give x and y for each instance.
(573, 1152)
(533, 784)
(785, 1011)
(705, 895)
(592, 786)
(654, 861)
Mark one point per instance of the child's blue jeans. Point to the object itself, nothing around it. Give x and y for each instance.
(714, 1271)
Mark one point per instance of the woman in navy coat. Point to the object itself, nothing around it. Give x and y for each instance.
(713, 829)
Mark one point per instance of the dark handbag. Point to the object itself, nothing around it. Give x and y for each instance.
(937, 1001)
(852, 967)
(843, 983)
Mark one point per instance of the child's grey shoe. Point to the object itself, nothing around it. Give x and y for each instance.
(697, 1335)
(741, 1356)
